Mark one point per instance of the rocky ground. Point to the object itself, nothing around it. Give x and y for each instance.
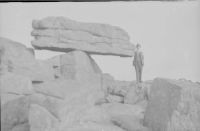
(70, 93)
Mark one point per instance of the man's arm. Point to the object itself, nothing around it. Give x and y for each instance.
(134, 60)
(142, 58)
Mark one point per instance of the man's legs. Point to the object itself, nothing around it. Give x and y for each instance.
(140, 74)
(137, 74)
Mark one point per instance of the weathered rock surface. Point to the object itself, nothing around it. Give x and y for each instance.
(76, 65)
(60, 89)
(129, 123)
(41, 120)
(163, 101)
(92, 126)
(114, 87)
(52, 104)
(115, 98)
(16, 84)
(18, 59)
(187, 114)
(135, 95)
(78, 103)
(119, 109)
(6, 97)
(71, 35)
(96, 114)
(92, 28)
(60, 95)
(53, 44)
(22, 127)
(79, 66)
(65, 89)
(14, 113)
(128, 117)
(79, 113)
(63, 34)
(70, 93)
(15, 52)
(172, 106)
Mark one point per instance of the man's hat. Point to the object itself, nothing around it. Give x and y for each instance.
(138, 45)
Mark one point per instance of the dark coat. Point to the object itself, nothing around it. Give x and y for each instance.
(138, 59)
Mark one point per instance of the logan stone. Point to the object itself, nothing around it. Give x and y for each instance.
(64, 35)
(93, 28)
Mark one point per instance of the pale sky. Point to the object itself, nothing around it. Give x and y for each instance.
(169, 33)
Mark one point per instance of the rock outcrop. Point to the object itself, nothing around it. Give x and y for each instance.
(18, 59)
(75, 65)
(173, 106)
(14, 113)
(22, 127)
(69, 92)
(93, 28)
(136, 95)
(66, 92)
(14, 86)
(63, 34)
(41, 120)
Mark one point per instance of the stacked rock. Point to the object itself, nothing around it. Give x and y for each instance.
(68, 91)
(63, 34)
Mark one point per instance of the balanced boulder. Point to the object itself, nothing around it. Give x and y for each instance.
(63, 34)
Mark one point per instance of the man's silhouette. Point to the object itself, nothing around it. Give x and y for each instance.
(138, 62)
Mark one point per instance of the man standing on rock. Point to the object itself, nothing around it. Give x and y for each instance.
(138, 62)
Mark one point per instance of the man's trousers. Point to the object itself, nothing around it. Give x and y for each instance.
(138, 70)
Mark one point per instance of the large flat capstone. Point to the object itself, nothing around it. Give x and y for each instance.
(63, 34)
